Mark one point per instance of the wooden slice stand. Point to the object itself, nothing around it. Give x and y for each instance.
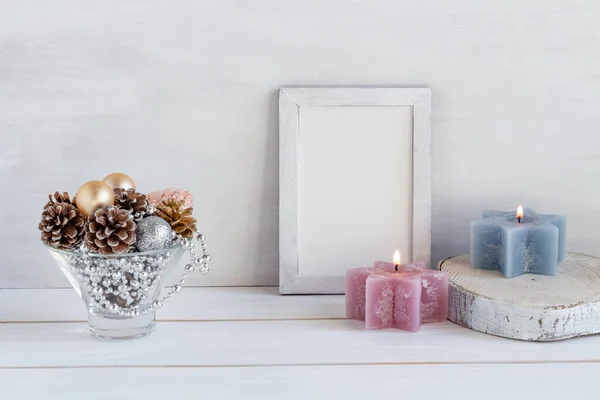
(529, 307)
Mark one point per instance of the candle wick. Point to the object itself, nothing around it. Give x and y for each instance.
(519, 220)
(396, 266)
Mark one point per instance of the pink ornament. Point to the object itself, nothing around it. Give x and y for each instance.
(159, 196)
(403, 299)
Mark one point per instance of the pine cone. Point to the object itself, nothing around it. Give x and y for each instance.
(59, 198)
(131, 201)
(62, 225)
(179, 217)
(110, 230)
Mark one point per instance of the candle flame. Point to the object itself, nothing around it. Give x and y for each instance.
(397, 258)
(519, 213)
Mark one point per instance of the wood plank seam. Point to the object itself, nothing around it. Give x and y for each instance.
(186, 320)
(283, 365)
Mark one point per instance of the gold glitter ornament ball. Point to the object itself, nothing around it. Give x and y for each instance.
(94, 195)
(118, 180)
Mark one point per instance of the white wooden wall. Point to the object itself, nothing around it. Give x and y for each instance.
(183, 93)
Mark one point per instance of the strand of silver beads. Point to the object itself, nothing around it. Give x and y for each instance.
(196, 263)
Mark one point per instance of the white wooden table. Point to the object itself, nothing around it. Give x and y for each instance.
(251, 343)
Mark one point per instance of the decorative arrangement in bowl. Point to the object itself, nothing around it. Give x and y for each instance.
(117, 247)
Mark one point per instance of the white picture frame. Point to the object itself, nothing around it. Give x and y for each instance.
(307, 119)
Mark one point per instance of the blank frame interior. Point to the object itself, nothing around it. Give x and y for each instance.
(355, 165)
(354, 175)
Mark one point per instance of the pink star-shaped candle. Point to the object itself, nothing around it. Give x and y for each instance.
(402, 297)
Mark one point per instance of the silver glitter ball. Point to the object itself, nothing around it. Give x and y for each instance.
(153, 233)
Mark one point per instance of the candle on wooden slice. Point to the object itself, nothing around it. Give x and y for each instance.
(531, 308)
(518, 242)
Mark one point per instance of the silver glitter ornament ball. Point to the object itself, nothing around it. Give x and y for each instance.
(153, 233)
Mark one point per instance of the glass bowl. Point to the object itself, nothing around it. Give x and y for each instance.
(121, 291)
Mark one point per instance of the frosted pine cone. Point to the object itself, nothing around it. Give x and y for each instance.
(110, 230)
(178, 216)
(133, 202)
(62, 225)
(59, 198)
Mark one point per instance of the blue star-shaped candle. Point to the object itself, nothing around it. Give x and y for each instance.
(518, 242)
